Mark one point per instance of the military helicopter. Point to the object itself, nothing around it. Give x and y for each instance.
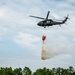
(49, 22)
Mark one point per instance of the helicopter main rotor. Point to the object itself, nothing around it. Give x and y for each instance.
(41, 17)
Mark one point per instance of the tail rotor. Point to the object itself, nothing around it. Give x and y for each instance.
(67, 17)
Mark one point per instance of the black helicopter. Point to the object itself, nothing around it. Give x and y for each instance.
(49, 22)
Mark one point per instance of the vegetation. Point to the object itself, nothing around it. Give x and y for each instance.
(43, 71)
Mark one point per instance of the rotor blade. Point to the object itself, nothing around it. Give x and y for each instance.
(37, 17)
(47, 15)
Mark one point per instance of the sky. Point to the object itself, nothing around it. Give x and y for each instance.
(20, 37)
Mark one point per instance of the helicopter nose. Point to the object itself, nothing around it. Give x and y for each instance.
(38, 24)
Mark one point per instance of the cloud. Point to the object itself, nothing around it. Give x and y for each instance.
(3, 31)
(25, 39)
(1, 12)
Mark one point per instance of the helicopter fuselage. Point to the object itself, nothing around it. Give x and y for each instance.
(49, 22)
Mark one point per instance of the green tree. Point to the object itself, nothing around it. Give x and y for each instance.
(43, 71)
(6, 71)
(27, 71)
(2, 71)
(17, 71)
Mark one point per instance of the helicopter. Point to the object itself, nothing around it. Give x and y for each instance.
(49, 22)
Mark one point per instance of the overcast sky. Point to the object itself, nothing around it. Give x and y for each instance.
(20, 37)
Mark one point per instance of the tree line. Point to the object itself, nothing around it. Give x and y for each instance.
(43, 71)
